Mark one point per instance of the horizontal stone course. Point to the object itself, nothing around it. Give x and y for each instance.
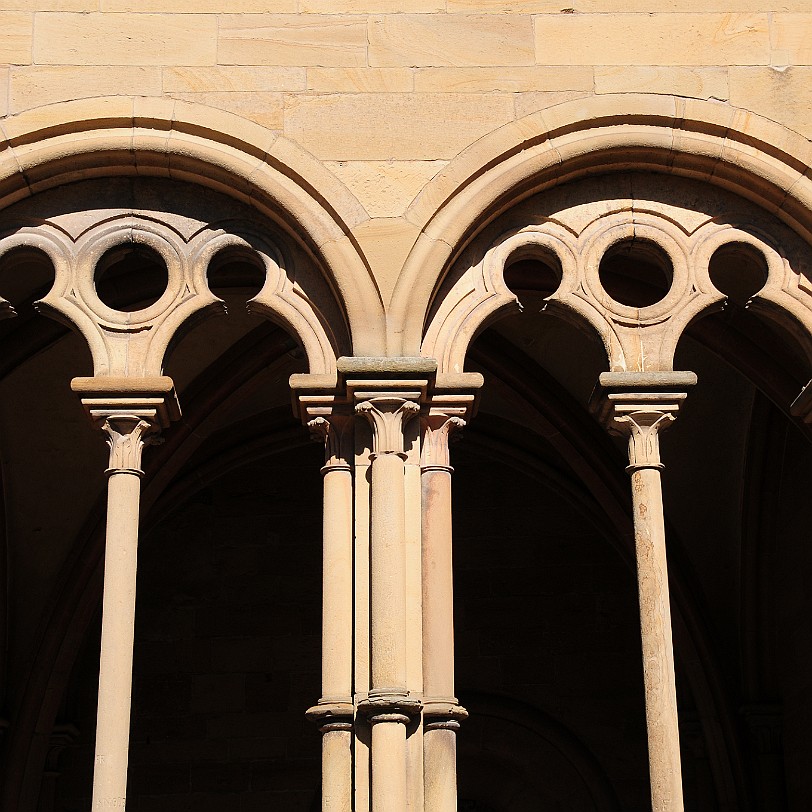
(652, 39)
(268, 39)
(124, 39)
(415, 40)
(399, 126)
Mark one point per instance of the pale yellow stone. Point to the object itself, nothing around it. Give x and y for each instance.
(4, 72)
(16, 38)
(236, 78)
(618, 6)
(386, 243)
(700, 83)
(49, 5)
(385, 188)
(515, 80)
(125, 39)
(360, 80)
(263, 108)
(268, 39)
(370, 6)
(784, 95)
(418, 40)
(527, 103)
(398, 126)
(34, 85)
(652, 39)
(200, 6)
(791, 39)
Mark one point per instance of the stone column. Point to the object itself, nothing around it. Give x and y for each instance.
(389, 706)
(131, 419)
(334, 711)
(639, 406)
(441, 712)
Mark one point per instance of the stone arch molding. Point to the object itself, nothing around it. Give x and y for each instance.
(635, 339)
(724, 147)
(144, 137)
(134, 344)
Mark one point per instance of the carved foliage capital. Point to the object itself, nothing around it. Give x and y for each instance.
(438, 428)
(127, 434)
(334, 431)
(643, 430)
(387, 415)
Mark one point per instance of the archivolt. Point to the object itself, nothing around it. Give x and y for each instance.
(105, 137)
(721, 145)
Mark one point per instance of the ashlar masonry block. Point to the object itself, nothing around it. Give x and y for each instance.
(397, 126)
(125, 39)
(247, 39)
(652, 39)
(419, 39)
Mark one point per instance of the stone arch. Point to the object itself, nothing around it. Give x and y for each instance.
(733, 149)
(144, 137)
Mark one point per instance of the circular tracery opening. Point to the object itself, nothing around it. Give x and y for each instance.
(637, 273)
(539, 274)
(130, 277)
(739, 271)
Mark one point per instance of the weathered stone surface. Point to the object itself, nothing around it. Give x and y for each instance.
(15, 43)
(782, 94)
(527, 103)
(791, 36)
(292, 40)
(385, 188)
(232, 78)
(125, 39)
(371, 6)
(33, 85)
(414, 40)
(701, 83)
(515, 80)
(360, 80)
(382, 126)
(658, 39)
(201, 6)
(264, 108)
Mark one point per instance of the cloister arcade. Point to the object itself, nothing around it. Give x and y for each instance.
(580, 282)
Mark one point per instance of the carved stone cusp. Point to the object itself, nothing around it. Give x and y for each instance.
(387, 415)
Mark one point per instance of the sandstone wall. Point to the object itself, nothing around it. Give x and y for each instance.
(385, 93)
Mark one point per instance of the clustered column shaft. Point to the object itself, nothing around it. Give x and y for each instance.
(441, 713)
(334, 711)
(389, 706)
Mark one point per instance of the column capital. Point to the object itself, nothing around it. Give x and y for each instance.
(639, 405)
(334, 429)
(390, 707)
(387, 414)
(130, 411)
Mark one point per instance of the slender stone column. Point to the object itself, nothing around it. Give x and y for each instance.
(441, 712)
(639, 406)
(126, 435)
(389, 706)
(131, 413)
(334, 711)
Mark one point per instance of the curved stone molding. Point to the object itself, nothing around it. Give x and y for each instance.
(134, 344)
(104, 137)
(727, 147)
(128, 344)
(636, 339)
